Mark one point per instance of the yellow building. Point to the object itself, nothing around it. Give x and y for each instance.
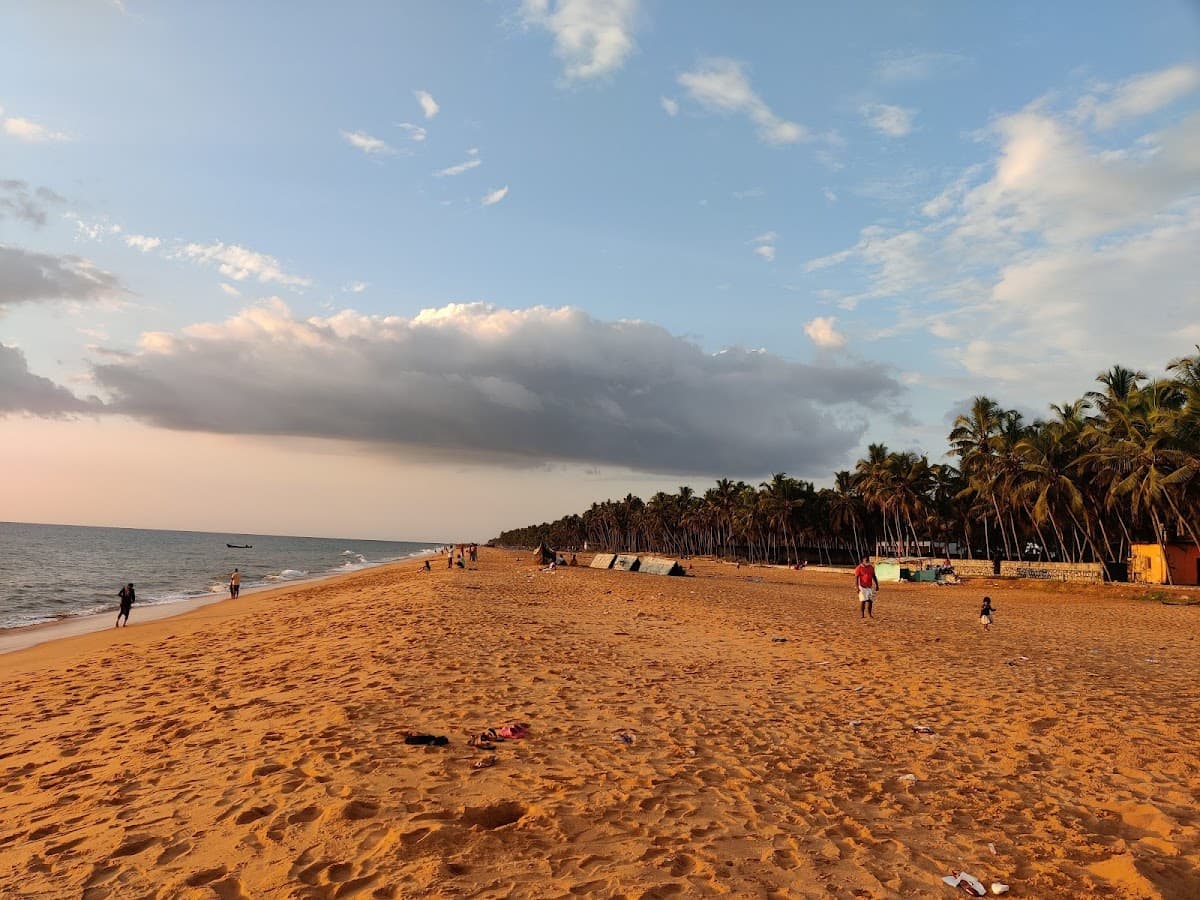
(1174, 563)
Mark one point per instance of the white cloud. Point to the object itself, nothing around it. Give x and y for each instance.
(1138, 96)
(372, 146)
(142, 242)
(429, 106)
(240, 264)
(94, 230)
(1059, 257)
(764, 245)
(460, 168)
(829, 195)
(721, 85)
(749, 194)
(32, 132)
(918, 65)
(494, 197)
(670, 107)
(593, 38)
(229, 289)
(413, 132)
(894, 121)
(822, 332)
(356, 287)
(517, 386)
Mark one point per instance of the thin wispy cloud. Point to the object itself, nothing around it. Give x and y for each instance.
(22, 202)
(241, 264)
(466, 166)
(92, 229)
(413, 132)
(670, 106)
(1138, 96)
(764, 245)
(749, 194)
(356, 287)
(229, 289)
(30, 131)
(894, 121)
(372, 146)
(429, 106)
(142, 242)
(494, 197)
(592, 38)
(721, 85)
(917, 65)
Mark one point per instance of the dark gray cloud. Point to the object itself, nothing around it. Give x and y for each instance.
(22, 391)
(26, 277)
(24, 204)
(521, 385)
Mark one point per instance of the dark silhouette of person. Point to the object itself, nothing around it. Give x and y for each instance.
(127, 597)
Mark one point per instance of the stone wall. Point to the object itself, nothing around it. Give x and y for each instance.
(1053, 571)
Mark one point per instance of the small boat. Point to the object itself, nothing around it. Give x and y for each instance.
(240, 546)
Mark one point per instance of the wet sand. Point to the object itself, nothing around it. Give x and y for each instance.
(256, 748)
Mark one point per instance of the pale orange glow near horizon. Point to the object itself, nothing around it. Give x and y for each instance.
(121, 473)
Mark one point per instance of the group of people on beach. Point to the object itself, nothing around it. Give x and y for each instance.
(127, 596)
(867, 583)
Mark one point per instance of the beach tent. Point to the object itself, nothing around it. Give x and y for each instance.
(626, 563)
(887, 570)
(603, 560)
(658, 565)
(544, 555)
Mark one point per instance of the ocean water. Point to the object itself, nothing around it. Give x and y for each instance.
(54, 572)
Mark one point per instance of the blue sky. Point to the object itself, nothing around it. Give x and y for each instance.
(900, 205)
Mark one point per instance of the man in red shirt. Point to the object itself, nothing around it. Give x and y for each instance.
(868, 586)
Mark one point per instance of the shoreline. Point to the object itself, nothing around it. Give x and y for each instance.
(27, 637)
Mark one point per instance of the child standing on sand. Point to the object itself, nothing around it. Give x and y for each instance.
(985, 614)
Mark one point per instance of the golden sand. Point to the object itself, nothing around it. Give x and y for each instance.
(256, 748)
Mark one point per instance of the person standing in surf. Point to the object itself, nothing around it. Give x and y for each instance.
(235, 584)
(127, 598)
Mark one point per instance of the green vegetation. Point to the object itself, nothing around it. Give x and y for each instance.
(1114, 467)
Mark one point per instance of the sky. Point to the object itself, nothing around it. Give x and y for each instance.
(424, 271)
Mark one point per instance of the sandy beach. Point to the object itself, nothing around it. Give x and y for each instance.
(740, 732)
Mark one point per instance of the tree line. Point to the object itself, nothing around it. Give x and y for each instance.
(1115, 467)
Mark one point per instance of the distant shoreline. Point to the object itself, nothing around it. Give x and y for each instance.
(23, 637)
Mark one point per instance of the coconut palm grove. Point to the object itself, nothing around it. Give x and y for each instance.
(1114, 467)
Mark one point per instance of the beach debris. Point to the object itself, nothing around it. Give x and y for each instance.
(999, 887)
(966, 883)
(778, 640)
(922, 729)
(854, 723)
(429, 740)
(992, 847)
(486, 763)
(625, 737)
(908, 778)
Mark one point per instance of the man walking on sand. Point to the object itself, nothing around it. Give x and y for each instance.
(868, 586)
(235, 584)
